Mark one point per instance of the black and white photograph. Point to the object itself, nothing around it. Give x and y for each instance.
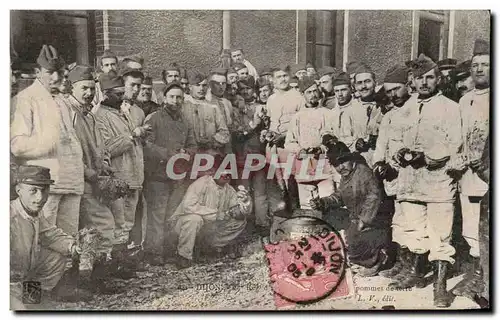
(250, 160)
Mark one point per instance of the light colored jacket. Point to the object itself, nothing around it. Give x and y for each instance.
(126, 153)
(27, 234)
(281, 107)
(388, 143)
(251, 69)
(475, 110)
(432, 126)
(349, 123)
(42, 134)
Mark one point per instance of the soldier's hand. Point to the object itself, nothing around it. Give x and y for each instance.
(75, 251)
(360, 225)
(456, 174)
(106, 170)
(402, 157)
(302, 154)
(279, 140)
(475, 165)
(361, 145)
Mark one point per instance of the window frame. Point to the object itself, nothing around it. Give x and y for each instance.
(441, 17)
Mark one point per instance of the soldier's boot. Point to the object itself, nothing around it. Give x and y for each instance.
(121, 266)
(101, 271)
(442, 298)
(406, 265)
(472, 283)
(414, 277)
(67, 289)
(397, 268)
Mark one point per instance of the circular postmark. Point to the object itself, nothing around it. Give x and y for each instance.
(307, 259)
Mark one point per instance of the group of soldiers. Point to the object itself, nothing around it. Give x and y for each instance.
(95, 150)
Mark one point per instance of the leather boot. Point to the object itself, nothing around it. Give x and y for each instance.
(441, 297)
(472, 283)
(67, 288)
(121, 268)
(101, 271)
(397, 268)
(414, 277)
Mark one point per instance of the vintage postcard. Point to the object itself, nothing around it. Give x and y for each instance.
(249, 160)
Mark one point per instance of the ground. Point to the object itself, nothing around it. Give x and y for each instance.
(242, 284)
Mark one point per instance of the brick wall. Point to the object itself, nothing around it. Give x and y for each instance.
(116, 31)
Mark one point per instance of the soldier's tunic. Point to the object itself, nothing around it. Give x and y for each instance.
(209, 127)
(349, 123)
(427, 197)
(306, 130)
(226, 109)
(475, 108)
(374, 117)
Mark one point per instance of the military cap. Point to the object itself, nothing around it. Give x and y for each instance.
(327, 70)
(462, 70)
(219, 71)
(397, 74)
(238, 66)
(447, 63)
(362, 68)
(35, 175)
(342, 79)
(339, 153)
(294, 80)
(263, 82)
(172, 85)
(235, 49)
(282, 67)
(423, 64)
(296, 68)
(148, 81)
(110, 80)
(248, 83)
(136, 73)
(173, 67)
(195, 77)
(351, 67)
(109, 54)
(306, 83)
(50, 59)
(481, 47)
(230, 71)
(266, 71)
(135, 58)
(80, 73)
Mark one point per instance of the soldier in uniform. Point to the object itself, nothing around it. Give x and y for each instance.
(108, 62)
(446, 66)
(144, 98)
(326, 76)
(298, 70)
(237, 56)
(462, 78)
(475, 109)
(430, 127)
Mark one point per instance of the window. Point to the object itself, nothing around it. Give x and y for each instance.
(429, 30)
(320, 38)
(66, 30)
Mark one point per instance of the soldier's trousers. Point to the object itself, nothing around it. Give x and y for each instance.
(215, 234)
(162, 198)
(430, 229)
(48, 270)
(484, 242)
(123, 211)
(400, 225)
(94, 214)
(63, 210)
(470, 222)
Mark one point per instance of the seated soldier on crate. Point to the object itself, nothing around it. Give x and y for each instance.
(211, 213)
(368, 234)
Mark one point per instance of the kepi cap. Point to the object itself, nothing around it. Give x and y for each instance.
(34, 175)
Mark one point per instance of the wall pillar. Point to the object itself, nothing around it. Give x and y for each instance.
(226, 29)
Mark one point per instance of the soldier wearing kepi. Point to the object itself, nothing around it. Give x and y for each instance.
(326, 76)
(144, 98)
(42, 134)
(385, 168)
(120, 123)
(447, 87)
(38, 249)
(475, 108)
(171, 135)
(462, 78)
(210, 130)
(96, 160)
(431, 134)
(108, 62)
